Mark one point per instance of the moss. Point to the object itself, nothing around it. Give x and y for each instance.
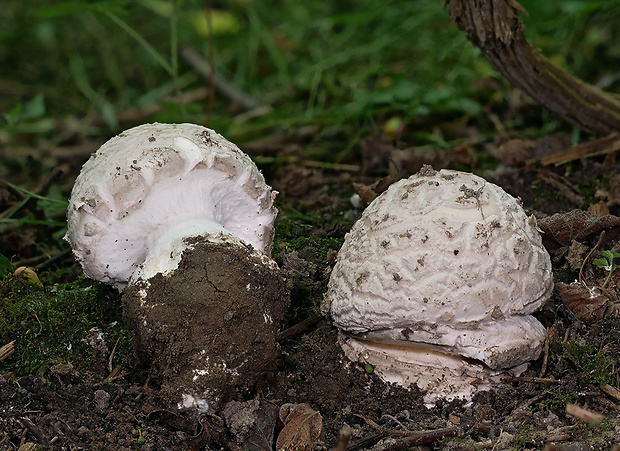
(292, 235)
(556, 400)
(588, 189)
(525, 437)
(595, 365)
(314, 247)
(49, 324)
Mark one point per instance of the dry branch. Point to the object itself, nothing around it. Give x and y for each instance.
(496, 28)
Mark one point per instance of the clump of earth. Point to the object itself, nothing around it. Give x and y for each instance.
(208, 330)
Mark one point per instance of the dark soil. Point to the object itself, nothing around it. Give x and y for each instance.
(208, 331)
(62, 409)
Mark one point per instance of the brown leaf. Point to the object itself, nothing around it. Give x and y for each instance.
(409, 161)
(588, 304)
(599, 209)
(514, 152)
(260, 436)
(368, 193)
(302, 427)
(376, 151)
(561, 228)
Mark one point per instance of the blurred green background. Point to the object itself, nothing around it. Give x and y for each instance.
(79, 66)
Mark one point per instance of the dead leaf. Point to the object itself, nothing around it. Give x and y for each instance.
(562, 228)
(588, 304)
(252, 423)
(302, 427)
(576, 254)
(409, 161)
(368, 193)
(514, 152)
(599, 209)
(376, 151)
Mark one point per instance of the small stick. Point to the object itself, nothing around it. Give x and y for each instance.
(542, 380)
(600, 239)
(34, 430)
(110, 367)
(115, 374)
(543, 369)
(299, 328)
(611, 391)
(584, 415)
(421, 438)
(601, 146)
(7, 350)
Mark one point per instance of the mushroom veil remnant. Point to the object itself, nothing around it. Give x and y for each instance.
(181, 221)
(436, 282)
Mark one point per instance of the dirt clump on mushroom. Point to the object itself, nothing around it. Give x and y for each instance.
(209, 329)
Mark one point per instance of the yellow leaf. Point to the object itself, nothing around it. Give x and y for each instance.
(223, 22)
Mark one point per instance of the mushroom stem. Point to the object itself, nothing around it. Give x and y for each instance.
(166, 249)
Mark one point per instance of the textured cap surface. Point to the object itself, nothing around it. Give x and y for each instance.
(446, 248)
(434, 258)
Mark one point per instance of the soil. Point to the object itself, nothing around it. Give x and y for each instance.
(208, 331)
(61, 408)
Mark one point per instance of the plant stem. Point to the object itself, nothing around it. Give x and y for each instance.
(148, 47)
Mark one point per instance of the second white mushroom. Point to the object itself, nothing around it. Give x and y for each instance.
(436, 282)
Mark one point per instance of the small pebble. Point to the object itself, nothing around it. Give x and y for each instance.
(102, 399)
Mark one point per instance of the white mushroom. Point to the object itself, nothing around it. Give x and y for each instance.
(436, 282)
(181, 221)
(150, 187)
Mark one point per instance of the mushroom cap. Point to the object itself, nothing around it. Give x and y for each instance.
(162, 180)
(447, 259)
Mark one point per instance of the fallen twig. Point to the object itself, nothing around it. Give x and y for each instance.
(298, 328)
(194, 59)
(611, 391)
(7, 350)
(419, 438)
(115, 374)
(541, 380)
(34, 430)
(601, 146)
(543, 368)
(584, 415)
(111, 359)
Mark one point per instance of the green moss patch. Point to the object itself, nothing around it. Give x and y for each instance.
(70, 323)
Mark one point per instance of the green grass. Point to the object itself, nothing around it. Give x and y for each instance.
(343, 65)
